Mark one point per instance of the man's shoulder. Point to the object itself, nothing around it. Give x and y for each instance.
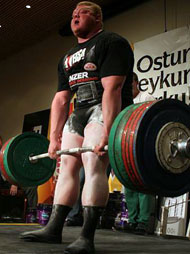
(112, 35)
(113, 41)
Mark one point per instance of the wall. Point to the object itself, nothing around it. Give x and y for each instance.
(28, 80)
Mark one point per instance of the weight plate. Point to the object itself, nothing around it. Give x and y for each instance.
(129, 153)
(3, 170)
(129, 178)
(132, 172)
(1, 142)
(17, 164)
(162, 182)
(112, 149)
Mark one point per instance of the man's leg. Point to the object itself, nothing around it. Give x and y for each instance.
(66, 194)
(75, 217)
(95, 191)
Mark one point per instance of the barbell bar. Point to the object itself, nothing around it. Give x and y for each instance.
(148, 149)
(75, 150)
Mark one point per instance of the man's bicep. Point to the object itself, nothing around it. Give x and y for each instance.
(113, 82)
(62, 79)
(65, 95)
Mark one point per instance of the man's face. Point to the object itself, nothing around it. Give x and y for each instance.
(83, 21)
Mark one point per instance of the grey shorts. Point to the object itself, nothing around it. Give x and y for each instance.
(79, 118)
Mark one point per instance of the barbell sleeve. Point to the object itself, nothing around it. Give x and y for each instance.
(66, 151)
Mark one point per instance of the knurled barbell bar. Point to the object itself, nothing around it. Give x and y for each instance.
(148, 149)
(74, 150)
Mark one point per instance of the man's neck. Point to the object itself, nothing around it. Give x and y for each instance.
(82, 40)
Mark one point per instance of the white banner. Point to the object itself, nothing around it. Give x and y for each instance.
(162, 64)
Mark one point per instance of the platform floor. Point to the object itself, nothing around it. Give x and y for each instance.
(106, 242)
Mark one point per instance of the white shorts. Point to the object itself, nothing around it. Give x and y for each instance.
(80, 117)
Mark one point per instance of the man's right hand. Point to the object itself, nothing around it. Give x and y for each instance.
(54, 146)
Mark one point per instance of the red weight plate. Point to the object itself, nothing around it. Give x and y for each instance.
(1, 142)
(128, 131)
(129, 148)
(118, 148)
(126, 152)
(3, 170)
(132, 148)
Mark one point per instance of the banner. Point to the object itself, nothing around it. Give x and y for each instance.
(162, 64)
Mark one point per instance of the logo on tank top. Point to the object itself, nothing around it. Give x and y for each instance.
(90, 67)
(75, 58)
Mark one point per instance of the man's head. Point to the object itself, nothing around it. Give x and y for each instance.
(135, 85)
(86, 19)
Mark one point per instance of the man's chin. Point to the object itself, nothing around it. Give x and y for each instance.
(76, 31)
(79, 33)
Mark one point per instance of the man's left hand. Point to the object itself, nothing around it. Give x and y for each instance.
(99, 149)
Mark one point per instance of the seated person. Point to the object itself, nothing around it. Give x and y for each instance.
(30, 193)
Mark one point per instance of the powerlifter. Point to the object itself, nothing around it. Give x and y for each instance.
(99, 70)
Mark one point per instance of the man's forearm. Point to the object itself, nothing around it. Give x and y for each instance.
(59, 115)
(111, 106)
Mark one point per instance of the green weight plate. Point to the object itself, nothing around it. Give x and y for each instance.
(127, 176)
(17, 163)
(111, 144)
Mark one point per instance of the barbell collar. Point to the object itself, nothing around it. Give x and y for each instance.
(181, 147)
(76, 150)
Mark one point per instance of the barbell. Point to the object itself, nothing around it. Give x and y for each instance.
(35, 158)
(148, 148)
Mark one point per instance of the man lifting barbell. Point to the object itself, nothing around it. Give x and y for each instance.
(99, 69)
(145, 137)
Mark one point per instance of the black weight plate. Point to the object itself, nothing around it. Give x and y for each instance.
(158, 179)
